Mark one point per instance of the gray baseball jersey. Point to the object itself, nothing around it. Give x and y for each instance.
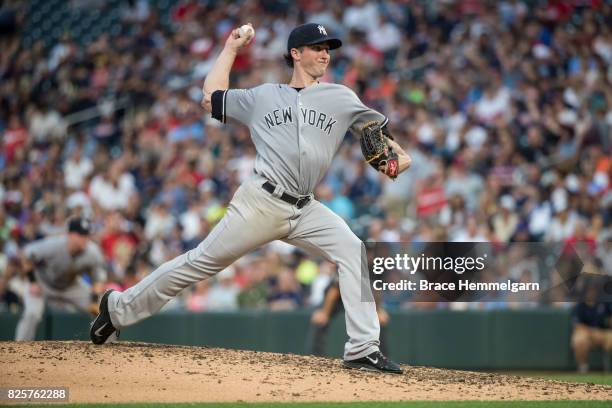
(54, 265)
(296, 135)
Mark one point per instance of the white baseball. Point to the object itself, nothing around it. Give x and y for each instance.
(246, 31)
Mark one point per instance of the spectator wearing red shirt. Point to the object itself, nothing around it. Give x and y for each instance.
(14, 138)
(580, 241)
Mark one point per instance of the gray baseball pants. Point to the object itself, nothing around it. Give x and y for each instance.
(75, 298)
(254, 218)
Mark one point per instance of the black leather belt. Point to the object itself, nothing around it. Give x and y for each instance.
(298, 202)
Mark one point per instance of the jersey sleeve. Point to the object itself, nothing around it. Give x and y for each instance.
(236, 104)
(36, 251)
(361, 114)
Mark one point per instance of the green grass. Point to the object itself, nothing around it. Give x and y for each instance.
(415, 404)
(594, 378)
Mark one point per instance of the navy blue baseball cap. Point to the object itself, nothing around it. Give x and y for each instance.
(81, 226)
(310, 34)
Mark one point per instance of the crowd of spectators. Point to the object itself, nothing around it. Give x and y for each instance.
(504, 106)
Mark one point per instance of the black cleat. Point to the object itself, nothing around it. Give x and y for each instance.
(376, 362)
(102, 328)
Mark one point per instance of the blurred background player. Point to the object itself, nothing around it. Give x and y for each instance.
(331, 306)
(54, 267)
(592, 327)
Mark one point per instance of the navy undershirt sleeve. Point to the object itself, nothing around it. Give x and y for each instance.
(217, 100)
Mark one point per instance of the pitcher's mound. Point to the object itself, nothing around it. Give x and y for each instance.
(137, 372)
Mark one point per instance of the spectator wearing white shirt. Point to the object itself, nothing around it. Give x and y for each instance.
(76, 169)
(562, 225)
(493, 104)
(453, 123)
(112, 190)
(475, 135)
(362, 15)
(191, 222)
(540, 217)
(471, 233)
(386, 38)
(426, 131)
(46, 125)
(159, 222)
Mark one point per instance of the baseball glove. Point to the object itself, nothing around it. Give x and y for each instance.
(377, 151)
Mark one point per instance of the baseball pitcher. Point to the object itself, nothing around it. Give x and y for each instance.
(296, 129)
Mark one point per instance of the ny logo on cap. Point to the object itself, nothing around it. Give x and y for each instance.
(322, 29)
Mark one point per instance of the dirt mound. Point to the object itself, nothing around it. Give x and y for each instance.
(138, 372)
